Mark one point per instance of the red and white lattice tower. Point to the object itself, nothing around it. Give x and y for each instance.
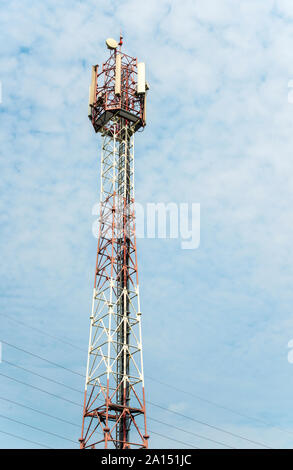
(114, 413)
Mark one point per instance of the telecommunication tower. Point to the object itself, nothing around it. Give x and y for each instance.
(114, 412)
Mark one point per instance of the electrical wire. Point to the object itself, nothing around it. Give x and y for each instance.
(37, 429)
(166, 409)
(210, 402)
(208, 425)
(62, 340)
(159, 406)
(41, 376)
(23, 439)
(192, 433)
(45, 391)
(42, 358)
(42, 413)
(41, 390)
(190, 446)
(39, 411)
(76, 425)
(243, 415)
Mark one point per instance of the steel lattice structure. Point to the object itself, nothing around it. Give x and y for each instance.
(114, 413)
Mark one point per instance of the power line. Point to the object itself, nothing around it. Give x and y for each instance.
(175, 440)
(42, 376)
(39, 411)
(37, 429)
(159, 406)
(267, 423)
(23, 439)
(57, 396)
(192, 433)
(208, 425)
(47, 447)
(41, 390)
(60, 419)
(210, 402)
(51, 416)
(42, 358)
(62, 340)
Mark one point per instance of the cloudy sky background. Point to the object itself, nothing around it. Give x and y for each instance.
(216, 320)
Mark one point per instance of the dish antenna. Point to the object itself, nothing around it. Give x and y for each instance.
(111, 43)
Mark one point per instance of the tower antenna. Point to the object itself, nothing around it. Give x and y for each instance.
(114, 411)
(121, 40)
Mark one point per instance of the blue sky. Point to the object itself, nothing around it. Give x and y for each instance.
(216, 320)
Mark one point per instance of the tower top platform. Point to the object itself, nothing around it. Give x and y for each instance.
(118, 88)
